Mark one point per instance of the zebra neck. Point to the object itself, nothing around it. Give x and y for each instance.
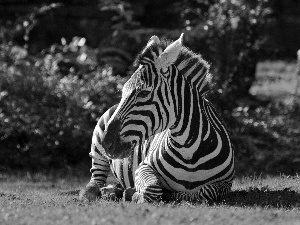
(187, 135)
(195, 70)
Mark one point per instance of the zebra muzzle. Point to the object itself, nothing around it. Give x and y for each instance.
(112, 143)
(115, 149)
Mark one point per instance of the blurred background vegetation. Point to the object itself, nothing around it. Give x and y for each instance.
(63, 63)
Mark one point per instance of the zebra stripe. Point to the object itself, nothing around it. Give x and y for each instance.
(183, 149)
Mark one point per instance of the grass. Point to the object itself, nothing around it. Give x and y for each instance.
(40, 200)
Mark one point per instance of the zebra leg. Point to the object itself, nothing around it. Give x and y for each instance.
(147, 185)
(213, 192)
(112, 192)
(100, 169)
(208, 193)
(91, 192)
(128, 193)
(100, 164)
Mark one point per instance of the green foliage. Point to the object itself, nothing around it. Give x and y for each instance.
(47, 119)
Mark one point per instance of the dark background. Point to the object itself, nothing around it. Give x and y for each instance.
(62, 64)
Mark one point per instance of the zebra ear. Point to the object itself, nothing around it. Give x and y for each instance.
(152, 40)
(170, 54)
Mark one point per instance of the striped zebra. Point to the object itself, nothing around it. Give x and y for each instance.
(164, 139)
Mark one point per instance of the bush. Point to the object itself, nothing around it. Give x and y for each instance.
(47, 119)
(231, 36)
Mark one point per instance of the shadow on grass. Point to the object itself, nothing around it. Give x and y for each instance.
(263, 197)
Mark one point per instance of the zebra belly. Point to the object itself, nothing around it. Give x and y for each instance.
(185, 182)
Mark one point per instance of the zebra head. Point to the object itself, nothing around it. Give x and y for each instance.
(148, 104)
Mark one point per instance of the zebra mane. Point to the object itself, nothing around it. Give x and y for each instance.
(190, 65)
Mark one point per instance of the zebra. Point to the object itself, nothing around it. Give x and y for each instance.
(165, 140)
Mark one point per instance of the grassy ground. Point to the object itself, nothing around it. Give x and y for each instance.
(41, 200)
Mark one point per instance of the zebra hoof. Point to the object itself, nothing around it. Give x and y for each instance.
(108, 193)
(90, 193)
(138, 198)
(128, 193)
(119, 191)
(112, 192)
